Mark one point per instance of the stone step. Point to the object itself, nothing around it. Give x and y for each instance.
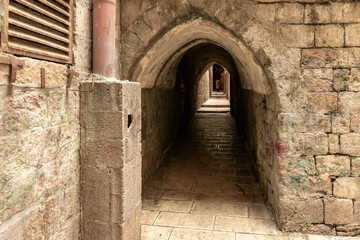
(216, 105)
(214, 110)
(220, 96)
(217, 102)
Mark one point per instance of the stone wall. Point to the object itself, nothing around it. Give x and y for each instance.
(306, 136)
(160, 125)
(255, 115)
(39, 143)
(203, 89)
(110, 160)
(321, 138)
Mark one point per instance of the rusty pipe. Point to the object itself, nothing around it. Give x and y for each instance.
(104, 37)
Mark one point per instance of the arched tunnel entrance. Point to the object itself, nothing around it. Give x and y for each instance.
(200, 170)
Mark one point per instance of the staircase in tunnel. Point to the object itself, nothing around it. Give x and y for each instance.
(217, 103)
(205, 188)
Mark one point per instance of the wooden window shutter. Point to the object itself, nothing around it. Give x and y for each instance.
(39, 29)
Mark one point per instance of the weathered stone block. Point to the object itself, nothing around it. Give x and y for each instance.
(14, 230)
(349, 102)
(30, 74)
(330, 57)
(4, 74)
(352, 33)
(46, 218)
(341, 78)
(354, 81)
(69, 203)
(355, 166)
(348, 230)
(348, 187)
(105, 97)
(116, 208)
(345, 12)
(82, 20)
(312, 143)
(96, 230)
(131, 229)
(97, 125)
(333, 165)
(26, 110)
(117, 181)
(319, 229)
(350, 144)
(338, 211)
(105, 152)
(355, 123)
(82, 52)
(265, 12)
(290, 13)
(304, 123)
(298, 168)
(299, 211)
(334, 143)
(329, 36)
(300, 36)
(95, 194)
(318, 80)
(303, 185)
(322, 102)
(316, 13)
(340, 123)
(357, 210)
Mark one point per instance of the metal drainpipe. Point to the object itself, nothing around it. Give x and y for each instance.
(104, 37)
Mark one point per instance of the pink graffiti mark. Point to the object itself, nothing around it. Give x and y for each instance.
(281, 149)
(112, 148)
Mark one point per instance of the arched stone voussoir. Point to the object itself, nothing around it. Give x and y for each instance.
(149, 66)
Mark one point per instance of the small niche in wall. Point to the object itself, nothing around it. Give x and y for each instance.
(130, 119)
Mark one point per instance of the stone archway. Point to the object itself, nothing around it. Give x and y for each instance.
(179, 39)
(158, 72)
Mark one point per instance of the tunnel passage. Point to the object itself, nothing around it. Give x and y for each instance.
(169, 72)
(171, 103)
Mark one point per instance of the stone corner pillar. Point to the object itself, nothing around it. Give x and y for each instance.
(110, 156)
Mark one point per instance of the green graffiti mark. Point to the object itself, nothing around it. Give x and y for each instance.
(48, 124)
(2, 181)
(337, 170)
(25, 123)
(19, 160)
(297, 176)
(58, 191)
(355, 164)
(68, 117)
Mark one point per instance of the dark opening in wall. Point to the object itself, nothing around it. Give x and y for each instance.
(218, 77)
(129, 120)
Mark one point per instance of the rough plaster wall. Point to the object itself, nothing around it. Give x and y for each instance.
(160, 123)
(39, 143)
(308, 137)
(203, 93)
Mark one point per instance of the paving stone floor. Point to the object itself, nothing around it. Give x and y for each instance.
(206, 190)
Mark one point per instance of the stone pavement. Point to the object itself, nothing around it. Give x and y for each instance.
(206, 189)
